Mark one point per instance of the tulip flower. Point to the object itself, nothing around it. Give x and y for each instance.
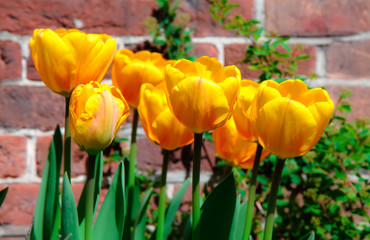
(289, 117)
(202, 94)
(96, 113)
(159, 124)
(67, 58)
(241, 112)
(131, 70)
(231, 146)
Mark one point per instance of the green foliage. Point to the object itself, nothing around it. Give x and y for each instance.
(169, 30)
(268, 53)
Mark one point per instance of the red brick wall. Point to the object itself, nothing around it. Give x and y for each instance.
(335, 33)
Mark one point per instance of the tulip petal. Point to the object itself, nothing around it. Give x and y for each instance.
(286, 128)
(170, 132)
(54, 61)
(241, 112)
(293, 89)
(210, 68)
(202, 111)
(93, 55)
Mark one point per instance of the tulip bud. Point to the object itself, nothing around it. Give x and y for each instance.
(232, 147)
(96, 113)
(202, 94)
(67, 58)
(289, 118)
(131, 70)
(159, 124)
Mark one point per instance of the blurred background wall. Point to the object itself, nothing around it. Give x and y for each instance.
(336, 34)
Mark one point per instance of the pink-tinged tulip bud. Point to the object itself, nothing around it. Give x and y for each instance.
(131, 70)
(202, 94)
(67, 58)
(241, 112)
(159, 123)
(289, 117)
(231, 146)
(96, 113)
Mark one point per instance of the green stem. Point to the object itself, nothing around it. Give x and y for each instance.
(162, 195)
(252, 194)
(89, 205)
(269, 226)
(196, 185)
(67, 141)
(131, 177)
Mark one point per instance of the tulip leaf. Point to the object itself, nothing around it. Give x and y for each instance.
(312, 236)
(140, 221)
(110, 220)
(238, 224)
(98, 175)
(47, 209)
(173, 207)
(69, 225)
(218, 211)
(3, 194)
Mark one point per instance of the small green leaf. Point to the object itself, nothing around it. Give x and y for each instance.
(110, 220)
(312, 236)
(3, 194)
(69, 224)
(217, 211)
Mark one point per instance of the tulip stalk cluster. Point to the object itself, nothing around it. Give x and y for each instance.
(176, 101)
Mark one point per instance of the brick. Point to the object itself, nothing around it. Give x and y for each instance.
(235, 53)
(348, 60)
(13, 156)
(149, 157)
(79, 157)
(317, 17)
(31, 107)
(19, 204)
(203, 49)
(10, 60)
(201, 20)
(112, 17)
(358, 101)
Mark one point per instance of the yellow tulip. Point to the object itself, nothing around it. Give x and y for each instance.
(67, 58)
(202, 94)
(159, 124)
(289, 118)
(241, 112)
(131, 70)
(231, 146)
(96, 113)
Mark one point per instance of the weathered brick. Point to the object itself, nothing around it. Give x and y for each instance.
(317, 17)
(31, 107)
(10, 60)
(201, 19)
(348, 60)
(19, 204)
(112, 17)
(358, 101)
(204, 49)
(235, 53)
(13, 156)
